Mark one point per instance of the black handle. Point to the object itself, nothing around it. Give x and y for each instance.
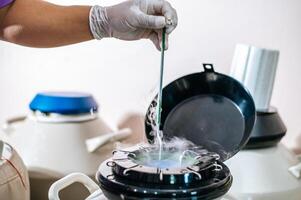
(208, 67)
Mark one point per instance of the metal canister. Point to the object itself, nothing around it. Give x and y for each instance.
(256, 69)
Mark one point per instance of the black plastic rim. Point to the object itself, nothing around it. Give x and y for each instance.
(268, 130)
(142, 182)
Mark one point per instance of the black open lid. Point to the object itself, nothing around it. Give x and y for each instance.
(210, 109)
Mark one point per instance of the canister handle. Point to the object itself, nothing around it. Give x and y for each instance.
(296, 169)
(208, 67)
(56, 187)
(7, 126)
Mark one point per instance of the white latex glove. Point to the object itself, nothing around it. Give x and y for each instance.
(134, 20)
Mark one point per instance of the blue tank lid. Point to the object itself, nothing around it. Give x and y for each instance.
(67, 103)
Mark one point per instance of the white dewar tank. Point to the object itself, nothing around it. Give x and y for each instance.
(14, 183)
(265, 169)
(52, 139)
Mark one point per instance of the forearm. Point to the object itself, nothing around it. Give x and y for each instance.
(38, 23)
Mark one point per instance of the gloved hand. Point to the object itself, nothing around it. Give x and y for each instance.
(134, 20)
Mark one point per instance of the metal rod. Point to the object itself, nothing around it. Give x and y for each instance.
(159, 100)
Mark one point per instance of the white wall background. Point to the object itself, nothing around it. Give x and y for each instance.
(122, 74)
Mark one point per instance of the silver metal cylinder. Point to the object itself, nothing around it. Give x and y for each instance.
(256, 69)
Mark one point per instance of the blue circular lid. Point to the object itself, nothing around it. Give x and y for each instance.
(67, 103)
